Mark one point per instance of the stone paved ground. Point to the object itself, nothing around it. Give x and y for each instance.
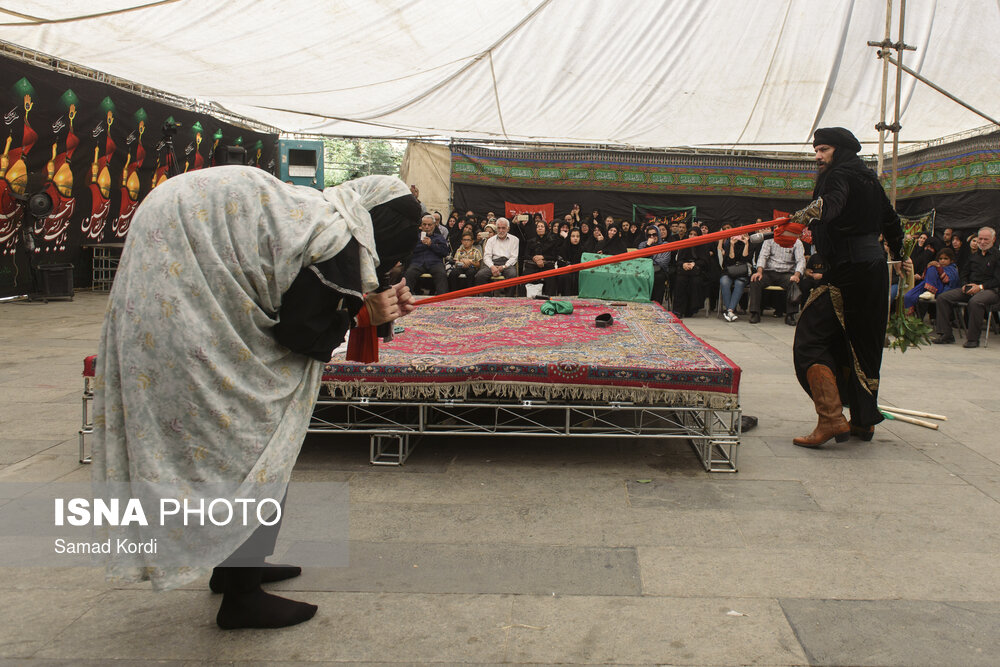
(538, 551)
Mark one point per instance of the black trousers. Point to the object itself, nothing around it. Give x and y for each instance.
(843, 326)
(259, 545)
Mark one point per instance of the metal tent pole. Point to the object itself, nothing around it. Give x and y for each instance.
(941, 90)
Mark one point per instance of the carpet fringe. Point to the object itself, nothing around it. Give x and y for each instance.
(412, 391)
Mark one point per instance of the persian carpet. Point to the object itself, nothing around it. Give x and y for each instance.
(505, 348)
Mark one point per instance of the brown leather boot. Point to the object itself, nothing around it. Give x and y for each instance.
(865, 433)
(826, 398)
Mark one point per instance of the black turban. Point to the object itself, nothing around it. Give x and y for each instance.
(838, 137)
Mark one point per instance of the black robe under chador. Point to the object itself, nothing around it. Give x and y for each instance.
(844, 321)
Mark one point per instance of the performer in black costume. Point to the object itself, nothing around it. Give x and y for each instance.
(841, 331)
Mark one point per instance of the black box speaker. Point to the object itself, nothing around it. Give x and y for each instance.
(56, 280)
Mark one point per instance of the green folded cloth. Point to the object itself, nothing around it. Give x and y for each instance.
(557, 307)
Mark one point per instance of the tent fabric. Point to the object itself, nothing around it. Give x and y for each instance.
(428, 166)
(759, 74)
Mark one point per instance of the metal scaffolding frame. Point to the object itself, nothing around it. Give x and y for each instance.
(714, 433)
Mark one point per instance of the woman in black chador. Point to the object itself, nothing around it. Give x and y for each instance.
(840, 333)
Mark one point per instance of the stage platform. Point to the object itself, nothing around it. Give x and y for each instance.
(499, 367)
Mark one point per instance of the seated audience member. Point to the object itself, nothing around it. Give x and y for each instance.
(712, 274)
(939, 275)
(661, 263)
(614, 245)
(499, 254)
(597, 240)
(896, 277)
(454, 231)
(428, 256)
(564, 228)
(756, 245)
(440, 225)
(584, 231)
(735, 272)
(541, 252)
(482, 237)
(944, 240)
(466, 261)
(595, 218)
(959, 250)
(777, 266)
(679, 232)
(923, 253)
(630, 234)
(979, 284)
(690, 264)
(572, 248)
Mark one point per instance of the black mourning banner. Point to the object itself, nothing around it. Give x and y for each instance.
(96, 151)
(647, 214)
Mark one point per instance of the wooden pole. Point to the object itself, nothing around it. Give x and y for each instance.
(885, 88)
(910, 420)
(899, 88)
(912, 413)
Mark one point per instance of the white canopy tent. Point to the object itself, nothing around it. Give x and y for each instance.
(744, 74)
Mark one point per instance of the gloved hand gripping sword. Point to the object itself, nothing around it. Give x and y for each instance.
(787, 233)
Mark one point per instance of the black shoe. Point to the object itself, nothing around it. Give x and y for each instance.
(971, 343)
(790, 320)
(754, 318)
(270, 573)
(939, 339)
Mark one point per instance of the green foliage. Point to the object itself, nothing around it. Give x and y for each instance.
(345, 159)
(905, 331)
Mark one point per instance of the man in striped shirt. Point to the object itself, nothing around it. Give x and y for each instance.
(777, 266)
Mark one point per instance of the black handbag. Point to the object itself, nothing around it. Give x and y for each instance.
(738, 270)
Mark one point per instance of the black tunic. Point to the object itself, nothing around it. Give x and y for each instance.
(843, 324)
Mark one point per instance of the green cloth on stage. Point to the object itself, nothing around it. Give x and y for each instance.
(631, 280)
(557, 308)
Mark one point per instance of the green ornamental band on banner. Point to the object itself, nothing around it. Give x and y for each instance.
(634, 172)
(963, 166)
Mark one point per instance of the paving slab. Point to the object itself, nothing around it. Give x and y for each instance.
(896, 632)
(484, 568)
(687, 494)
(676, 631)
(529, 524)
(349, 627)
(32, 619)
(819, 573)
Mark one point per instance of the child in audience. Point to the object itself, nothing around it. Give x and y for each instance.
(940, 275)
(465, 262)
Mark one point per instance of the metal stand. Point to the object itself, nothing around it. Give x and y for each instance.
(714, 434)
(105, 265)
(87, 426)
